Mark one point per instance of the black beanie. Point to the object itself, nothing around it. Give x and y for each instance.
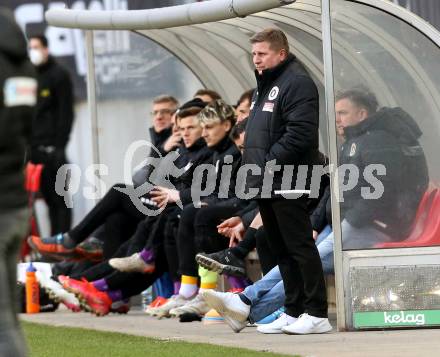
(196, 102)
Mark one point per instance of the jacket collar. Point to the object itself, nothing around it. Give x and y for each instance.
(45, 66)
(198, 144)
(223, 145)
(159, 137)
(271, 74)
(359, 129)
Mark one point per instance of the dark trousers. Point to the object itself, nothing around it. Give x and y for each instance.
(289, 234)
(256, 238)
(247, 244)
(170, 244)
(129, 284)
(149, 229)
(268, 260)
(197, 232)
(72, 269)
(186, 247)
(158, 226)
(151, 232)
(117, 229)
(114, 201)
(138, 282)
(60, 215)
(133, 245)
(208, 240)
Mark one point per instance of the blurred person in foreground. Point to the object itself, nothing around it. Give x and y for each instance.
(17, 99)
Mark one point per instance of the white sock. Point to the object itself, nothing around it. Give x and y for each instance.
(188, 286)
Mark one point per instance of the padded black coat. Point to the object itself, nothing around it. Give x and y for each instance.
(283, 123)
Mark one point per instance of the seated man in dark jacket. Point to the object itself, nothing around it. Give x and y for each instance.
(108, 284)
(384, 143)
(114, 201)
(217, 120)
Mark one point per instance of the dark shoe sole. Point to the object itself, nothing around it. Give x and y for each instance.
(217, 267)
(56, 255)
(93, 255)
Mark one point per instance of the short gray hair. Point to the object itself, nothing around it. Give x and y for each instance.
(165, 98)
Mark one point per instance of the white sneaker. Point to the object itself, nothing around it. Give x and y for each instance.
(307, 324)
(277, 326)
(56, 291)
(172, 303)
(227, 304)
(196, 306)
(132, 264)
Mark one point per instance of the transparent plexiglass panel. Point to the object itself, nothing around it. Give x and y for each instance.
(131, 70)
(387, 99)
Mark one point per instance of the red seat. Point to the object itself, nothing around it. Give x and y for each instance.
(426, 227)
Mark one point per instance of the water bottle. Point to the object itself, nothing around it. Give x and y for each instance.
(32, 291)
(147, 297)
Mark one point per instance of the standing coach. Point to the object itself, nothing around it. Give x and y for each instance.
(283, 126)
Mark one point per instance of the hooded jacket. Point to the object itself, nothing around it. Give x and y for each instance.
(389, 138)
(283, 122)
(17, 99)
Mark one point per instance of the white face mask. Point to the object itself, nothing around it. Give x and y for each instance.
(36, 56)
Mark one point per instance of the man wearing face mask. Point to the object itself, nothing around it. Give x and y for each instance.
(51, 127)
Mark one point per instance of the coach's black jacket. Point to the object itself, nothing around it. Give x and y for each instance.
(283, 123)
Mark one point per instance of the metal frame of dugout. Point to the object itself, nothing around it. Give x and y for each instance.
(341, 42)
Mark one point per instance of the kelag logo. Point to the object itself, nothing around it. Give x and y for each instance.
(402, 318)
(380, 319)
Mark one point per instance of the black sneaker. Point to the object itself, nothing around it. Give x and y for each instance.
(91, 249)
(223, 262)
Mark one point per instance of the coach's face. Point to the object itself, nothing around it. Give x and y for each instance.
(264, 57)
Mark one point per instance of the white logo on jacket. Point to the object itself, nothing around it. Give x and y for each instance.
(19, 91)
(274, 93)
(268, 107)
(353, 149)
